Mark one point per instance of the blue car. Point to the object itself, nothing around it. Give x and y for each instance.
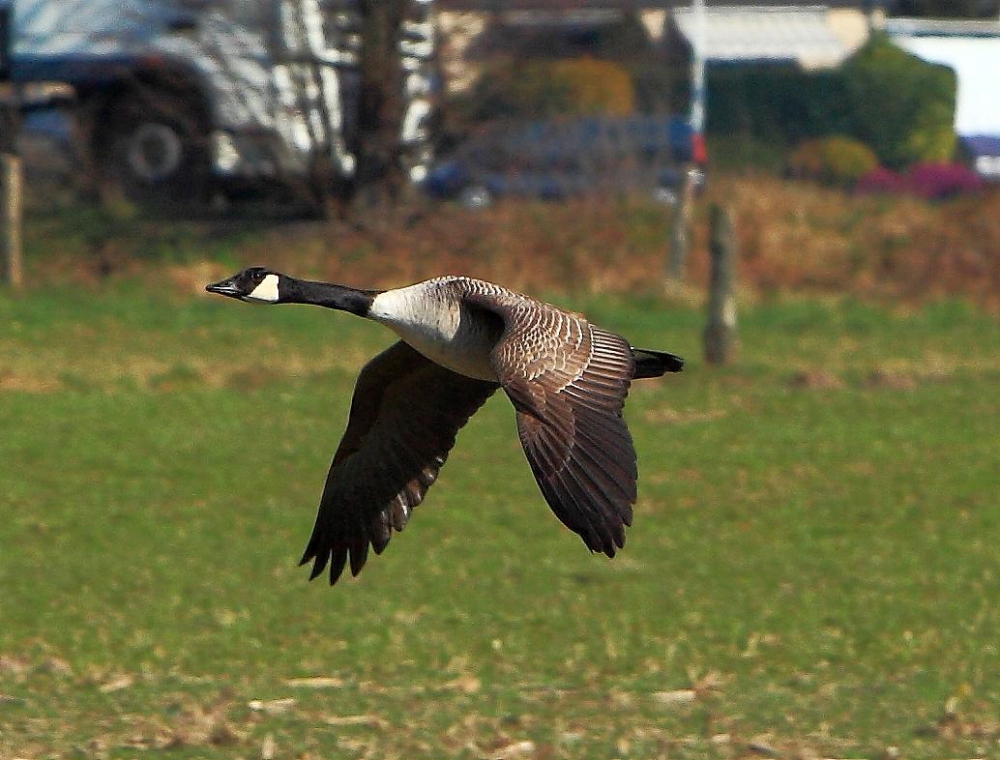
(564, 158)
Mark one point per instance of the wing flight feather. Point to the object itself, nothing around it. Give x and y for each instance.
(568, 381)
(405, 414)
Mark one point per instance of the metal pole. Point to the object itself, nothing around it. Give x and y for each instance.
(720, 333)
(680, 223)
(680, 228)
(698, 53)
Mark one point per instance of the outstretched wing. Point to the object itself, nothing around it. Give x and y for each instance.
(568, 381)
(404, 417)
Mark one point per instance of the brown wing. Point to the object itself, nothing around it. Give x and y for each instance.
(568, 381)
(404, 417)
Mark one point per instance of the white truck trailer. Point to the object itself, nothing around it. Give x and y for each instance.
(173, 97)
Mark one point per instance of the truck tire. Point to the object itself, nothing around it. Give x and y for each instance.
(152, 149)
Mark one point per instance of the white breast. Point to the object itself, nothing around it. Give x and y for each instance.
(438, 327)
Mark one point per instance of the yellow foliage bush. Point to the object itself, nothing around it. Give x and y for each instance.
(592, 86)
(833, 160)
(546, 88)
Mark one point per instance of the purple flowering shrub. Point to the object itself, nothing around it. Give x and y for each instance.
(927, 180)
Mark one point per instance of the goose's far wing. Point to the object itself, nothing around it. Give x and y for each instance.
(404, 417)
(568, 381)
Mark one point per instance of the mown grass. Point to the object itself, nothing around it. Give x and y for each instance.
(812, 569)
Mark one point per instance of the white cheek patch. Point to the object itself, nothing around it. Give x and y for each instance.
(267, 291)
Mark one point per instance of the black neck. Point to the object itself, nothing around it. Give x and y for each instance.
(328, 295)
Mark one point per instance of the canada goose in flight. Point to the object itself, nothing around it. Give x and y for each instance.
(461, 339)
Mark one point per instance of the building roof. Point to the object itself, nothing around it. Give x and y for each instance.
(768, 33)
(621, 5)
(934, 27)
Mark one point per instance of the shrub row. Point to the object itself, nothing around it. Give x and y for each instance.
(846, 163)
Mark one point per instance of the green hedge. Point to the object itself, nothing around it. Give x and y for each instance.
(901, 106)
(774, 102)
(898, 105)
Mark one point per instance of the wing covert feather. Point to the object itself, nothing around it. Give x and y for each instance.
(568, 381)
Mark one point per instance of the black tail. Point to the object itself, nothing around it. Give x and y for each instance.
(655, 363)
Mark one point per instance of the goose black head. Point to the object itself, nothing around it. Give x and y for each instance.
(255, 285)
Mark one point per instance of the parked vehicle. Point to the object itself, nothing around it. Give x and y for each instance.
(563, 158)
(982, 152)
(172, 97)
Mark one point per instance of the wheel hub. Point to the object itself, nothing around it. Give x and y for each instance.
(154, 152)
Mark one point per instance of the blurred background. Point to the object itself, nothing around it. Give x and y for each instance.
(187, 101)
(228, 111)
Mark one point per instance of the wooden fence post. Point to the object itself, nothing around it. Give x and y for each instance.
(720, 333)
(10, 166)
(12, 212)
(11, 190)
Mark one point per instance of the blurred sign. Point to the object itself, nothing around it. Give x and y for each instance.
(988, 167)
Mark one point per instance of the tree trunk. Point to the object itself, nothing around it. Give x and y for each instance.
(380, 175)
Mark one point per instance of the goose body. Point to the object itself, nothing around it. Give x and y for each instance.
(433, 318)
(460, 340)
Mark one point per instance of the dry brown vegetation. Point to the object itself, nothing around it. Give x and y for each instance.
(798, 236)
(793, 237)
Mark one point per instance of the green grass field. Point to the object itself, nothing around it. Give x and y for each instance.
(813, 569)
